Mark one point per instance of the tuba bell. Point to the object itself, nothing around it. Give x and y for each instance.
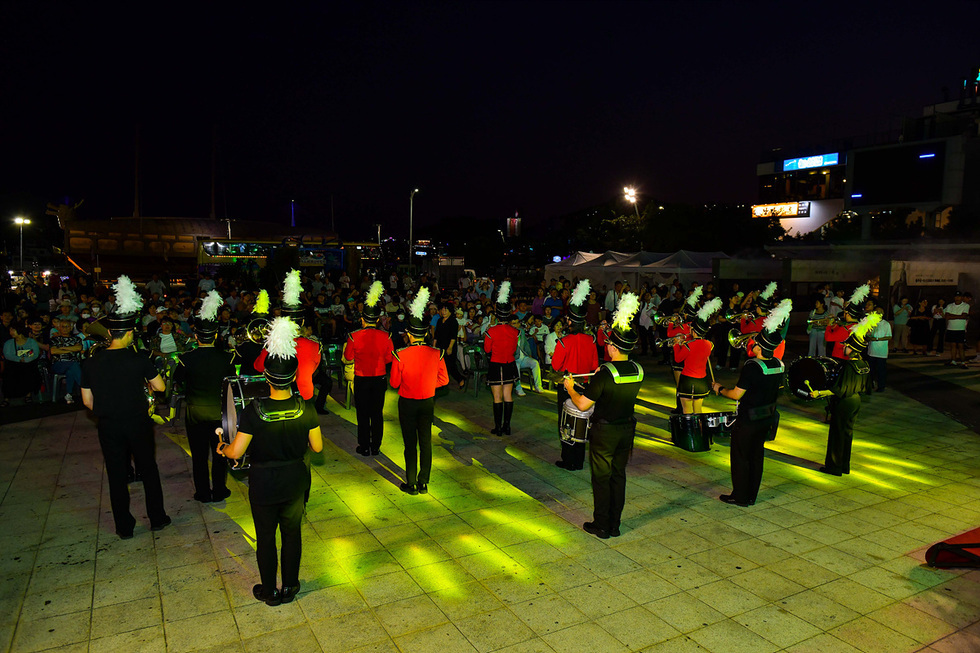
(257, 329)
(737, 339)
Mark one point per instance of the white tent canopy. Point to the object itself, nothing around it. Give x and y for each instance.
(636, 268)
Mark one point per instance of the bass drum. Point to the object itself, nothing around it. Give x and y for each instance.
(236, 393)
(812, 373)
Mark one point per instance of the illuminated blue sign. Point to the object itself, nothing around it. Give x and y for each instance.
(806, 162)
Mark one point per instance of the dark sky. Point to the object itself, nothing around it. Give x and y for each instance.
(488, 108)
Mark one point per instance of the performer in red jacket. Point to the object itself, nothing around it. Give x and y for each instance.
(416, 372)
(501, 343)
(371, 350)
(694, 384)
(307, 348)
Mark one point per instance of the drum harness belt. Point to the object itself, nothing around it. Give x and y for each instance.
(277, 416)
(619, 379)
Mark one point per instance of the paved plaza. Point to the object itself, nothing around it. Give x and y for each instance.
(494, 558)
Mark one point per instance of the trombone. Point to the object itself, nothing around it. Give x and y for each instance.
(737, 339)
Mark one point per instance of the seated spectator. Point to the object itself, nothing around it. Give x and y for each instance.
(66, 355)
(21, 375)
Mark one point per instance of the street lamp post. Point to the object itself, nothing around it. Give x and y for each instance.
(21, 222)
(411, 202)
(630, 194)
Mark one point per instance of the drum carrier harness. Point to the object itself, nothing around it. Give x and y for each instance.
(770, 367)
(619, 379)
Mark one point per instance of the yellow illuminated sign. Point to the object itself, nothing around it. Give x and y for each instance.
(784, 210)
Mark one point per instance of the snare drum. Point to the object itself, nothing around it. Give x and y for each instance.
(236, 393)
(715, 424)
(686, 432)
(819, 372)
(573, 424)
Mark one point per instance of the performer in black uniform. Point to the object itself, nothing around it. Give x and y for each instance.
(370, 349)
(416, 372)
(113, 387)
(612, 390)
(202, 371)
(756, 392)
(845, 397)
(277, 432)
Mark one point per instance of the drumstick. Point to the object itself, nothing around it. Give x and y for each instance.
(576, 376)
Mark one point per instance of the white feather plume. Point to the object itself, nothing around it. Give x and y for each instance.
(778, 315)
(695, 296)
(709, 309)
(581, 293)
(503, 295)
(859, 295)
(127, 299)
(417, 307)
(374, 294)
(209, 307)
(629, 305)
(769, 291)
(291, 289)
(280, 341)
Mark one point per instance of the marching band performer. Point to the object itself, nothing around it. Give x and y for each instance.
(416, 372)
(682, 330)
(763, 304)
(501, 343)
(371, 350)
(307, 348)
(845, 397)
(612, 390)
(202, 371)
(838, 332)
(277, 432)
(113, 383)
(756, 392)
(249, 349)
(693, 385)
(575, 353)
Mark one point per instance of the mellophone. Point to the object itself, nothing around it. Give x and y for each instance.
(696, 431)
(236, 393)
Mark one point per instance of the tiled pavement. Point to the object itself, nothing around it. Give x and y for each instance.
(495, 559)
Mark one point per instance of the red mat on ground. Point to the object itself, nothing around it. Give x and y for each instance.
(960, 551)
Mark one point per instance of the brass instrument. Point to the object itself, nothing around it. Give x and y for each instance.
(823, 321)
(732, 316)
(257, 330)
(737, 339)
(664, 320)
(679, 339)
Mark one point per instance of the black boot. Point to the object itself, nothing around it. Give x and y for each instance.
(498, 413)
(508, 411)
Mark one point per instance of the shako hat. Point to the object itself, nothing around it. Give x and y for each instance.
(699, 325)
(859, 334)
(280, 344)
(207, 317)
(855, 305)
(503, 308)
(417, 324)
(372, 303)
(576, 305)
(691, 305)
(623, 335)
(772, 334)
(291, 288)
(127, 307)
(767, 298)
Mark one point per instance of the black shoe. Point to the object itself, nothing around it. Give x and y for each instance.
(730, 499)
(203, 498)
(125, 536)
(562, 464)
(375, 452)
(162, 525)
(220, 495)
(614, 532)
(272, 599)
(506, 429)
(408, 488)
(288, 592)
(362, 451)
(826, 470)
(497, 431)
(590, 527)
(423, 488)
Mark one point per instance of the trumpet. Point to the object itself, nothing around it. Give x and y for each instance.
(737, 339)
(823, 321)
(732, 316)
(679, 339)
(257, 330)
(664, 320)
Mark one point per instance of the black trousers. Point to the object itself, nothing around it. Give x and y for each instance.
(118, 439)
(843, 413)
(203, 441)
(415, 417)
(287, 517)
(609, 451)
(452, 365)
(573, 455)
(747, 455)
(369, 403)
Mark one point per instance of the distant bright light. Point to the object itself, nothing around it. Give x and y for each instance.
(630, 194)
(856, 196)
(926, 156)
(556, 259)
(21, 221)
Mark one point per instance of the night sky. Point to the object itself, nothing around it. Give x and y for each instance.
(488, 108)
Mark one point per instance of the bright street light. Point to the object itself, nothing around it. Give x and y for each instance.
(21, 222)
(411, 201)
(630, 195)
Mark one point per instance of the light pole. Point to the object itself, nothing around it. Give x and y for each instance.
(630, 194)
(21, 222)
(411, 202)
